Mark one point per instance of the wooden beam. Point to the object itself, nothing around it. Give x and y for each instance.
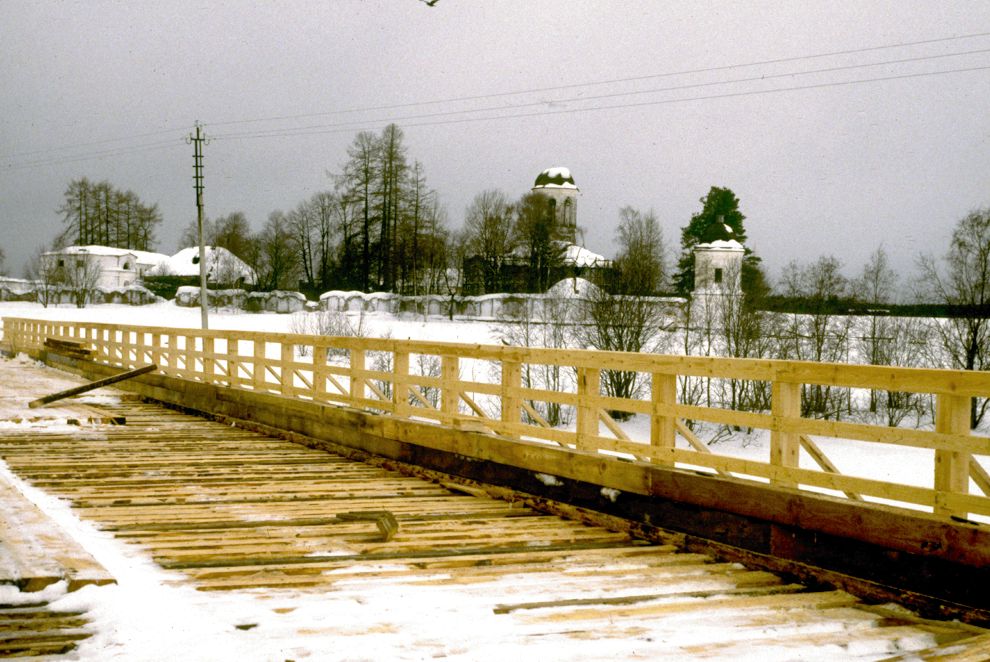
(822, 460)
(68, 393)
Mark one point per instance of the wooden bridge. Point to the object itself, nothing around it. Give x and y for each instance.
(661, 535)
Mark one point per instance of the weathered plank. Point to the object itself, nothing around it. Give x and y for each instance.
(36, 552)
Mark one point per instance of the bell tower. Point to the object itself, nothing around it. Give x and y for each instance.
(558, 186)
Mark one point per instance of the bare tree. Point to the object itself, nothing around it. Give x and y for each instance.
(747, 332)
(875, 287)
(458, 247)
(278, 264)
(964, 286)
(392, 173)
(621, 314)
(434, 249)
(101, 214)
(488, 224)
(904, 344)
(357, 185)
(44, 271)
(302, 226)
(81, 277)
(818, 333)
(642, 259)
(545, 324)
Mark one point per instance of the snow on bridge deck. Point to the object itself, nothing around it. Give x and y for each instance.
(251, 561)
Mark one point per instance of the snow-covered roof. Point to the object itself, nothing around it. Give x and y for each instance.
(186, 263)
(582, 257)
(721, 245)
(556, 177)
(92, 250)
(143, 257)
(148, 257)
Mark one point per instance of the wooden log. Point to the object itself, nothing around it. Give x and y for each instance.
(68, 348)
(383, 519)
(68, 393)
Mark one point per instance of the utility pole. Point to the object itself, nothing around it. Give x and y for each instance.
(197, 139)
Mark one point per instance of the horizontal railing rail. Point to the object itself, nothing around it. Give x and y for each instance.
(505, 390)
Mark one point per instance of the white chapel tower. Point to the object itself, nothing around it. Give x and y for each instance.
(558, 185)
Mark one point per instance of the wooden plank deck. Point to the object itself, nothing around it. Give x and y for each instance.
(35, 630)
(239, 511)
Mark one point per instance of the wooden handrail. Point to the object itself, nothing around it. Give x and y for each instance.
(484, 383)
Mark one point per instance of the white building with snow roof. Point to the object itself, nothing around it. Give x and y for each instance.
(718, 268)
(112, 268)
(119, 268)
(222, 266)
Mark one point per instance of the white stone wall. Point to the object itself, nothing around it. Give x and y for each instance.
(484, 307)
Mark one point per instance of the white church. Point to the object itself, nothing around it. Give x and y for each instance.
(717, 262)
(557, 184)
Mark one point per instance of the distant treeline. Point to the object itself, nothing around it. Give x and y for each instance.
(802, 305)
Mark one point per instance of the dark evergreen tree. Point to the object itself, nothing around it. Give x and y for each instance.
(719, 219)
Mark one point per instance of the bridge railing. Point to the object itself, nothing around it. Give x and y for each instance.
(556, 396)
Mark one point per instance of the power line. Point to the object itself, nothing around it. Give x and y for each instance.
(352, 124)
(117, 151)
(288, 131)
(611, 81)
(726, 95)
(93, 143)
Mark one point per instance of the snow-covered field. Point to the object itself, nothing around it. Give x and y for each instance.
(170, 315)
(153, 615)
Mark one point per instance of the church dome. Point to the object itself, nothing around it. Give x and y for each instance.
(555, 178)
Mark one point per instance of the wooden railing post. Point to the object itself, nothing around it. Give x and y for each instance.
(450, 394)
(209, 350)
(357, 380)
(125, 348)
(189, 355)
(588, 391)
(511, 402)
(286, 375)
(233, 361)
(258, 377)
(319, 373)
(172, 341)
(156, 349)
(785, 447)
(951, 467)
(400, 383)
(663, 427)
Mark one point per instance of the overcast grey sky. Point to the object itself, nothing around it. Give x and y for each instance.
(889, 145)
